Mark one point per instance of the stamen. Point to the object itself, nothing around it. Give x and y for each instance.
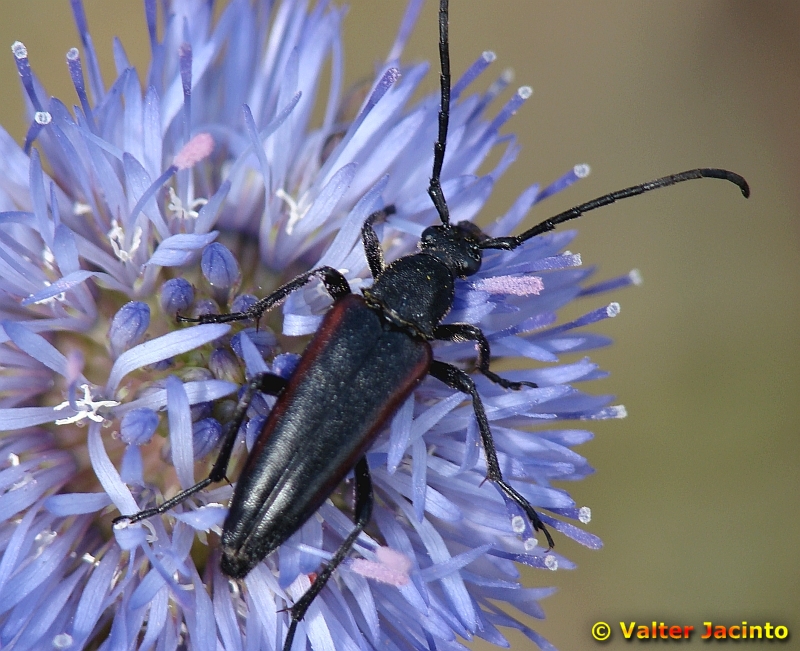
(80, 209)
(48, 258)
(117, 238)
(176, 205)
(87, 407)
(296, 213)
(61, 297)
(195, 150)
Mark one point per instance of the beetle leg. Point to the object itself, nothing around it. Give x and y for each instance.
(459, 380)
(363, 513)
(268, 383)
(335, 284)
(460, 332)
(372, 247)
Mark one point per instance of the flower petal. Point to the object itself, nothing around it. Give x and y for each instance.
(161, 348)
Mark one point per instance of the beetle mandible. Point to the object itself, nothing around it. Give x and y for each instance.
(366, 358)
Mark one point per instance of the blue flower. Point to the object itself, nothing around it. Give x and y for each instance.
(170, 198)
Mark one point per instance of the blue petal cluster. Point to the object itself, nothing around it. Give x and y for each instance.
(168, 198)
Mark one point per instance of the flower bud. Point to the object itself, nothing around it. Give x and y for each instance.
(205, 435)
(177, 295)
(128, 326)
(220, 270)
(138, 425)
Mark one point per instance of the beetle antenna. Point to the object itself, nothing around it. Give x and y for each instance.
(509, 243)
(435, 188)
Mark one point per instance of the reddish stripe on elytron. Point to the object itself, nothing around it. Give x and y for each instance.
(328, 329)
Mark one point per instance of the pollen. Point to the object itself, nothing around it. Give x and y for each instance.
(194, 151)
(512, 285)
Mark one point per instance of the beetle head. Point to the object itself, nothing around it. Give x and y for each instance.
(457, 247)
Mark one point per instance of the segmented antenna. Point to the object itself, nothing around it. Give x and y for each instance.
(435, 188)
(513, 242)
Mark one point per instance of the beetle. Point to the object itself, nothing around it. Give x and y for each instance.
(366, 358)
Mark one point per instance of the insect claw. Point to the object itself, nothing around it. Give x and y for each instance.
(516, 386)
(543, 529)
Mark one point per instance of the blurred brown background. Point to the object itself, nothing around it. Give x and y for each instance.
(696, 495)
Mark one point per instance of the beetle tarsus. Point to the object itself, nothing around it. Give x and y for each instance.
(266, 383)
(372, 247)
(462, 332)
(363, 513)
(457, 379)
(335, 284)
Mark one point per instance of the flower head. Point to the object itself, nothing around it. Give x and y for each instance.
(197, 193)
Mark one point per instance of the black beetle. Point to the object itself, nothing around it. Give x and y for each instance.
(368, 355)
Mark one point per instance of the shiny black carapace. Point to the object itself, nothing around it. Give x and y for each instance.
(368, 355)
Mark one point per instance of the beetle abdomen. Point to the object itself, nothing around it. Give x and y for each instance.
(351, 378)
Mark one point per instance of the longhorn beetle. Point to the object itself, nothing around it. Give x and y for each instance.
(320, 427)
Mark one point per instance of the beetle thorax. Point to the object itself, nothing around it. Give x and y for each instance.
(423, 309)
